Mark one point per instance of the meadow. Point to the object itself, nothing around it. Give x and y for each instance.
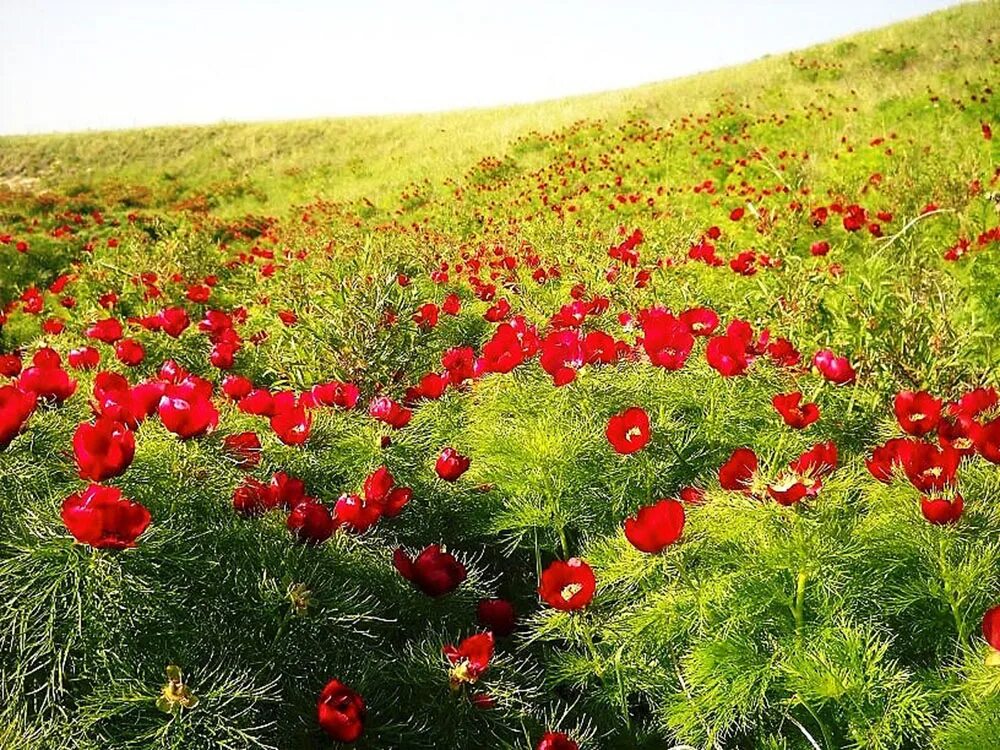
(656, 419)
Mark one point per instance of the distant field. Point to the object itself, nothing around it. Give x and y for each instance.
(661, 418)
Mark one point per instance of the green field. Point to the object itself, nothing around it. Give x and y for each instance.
(506, 283)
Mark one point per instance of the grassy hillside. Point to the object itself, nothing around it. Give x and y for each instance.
(651, 419)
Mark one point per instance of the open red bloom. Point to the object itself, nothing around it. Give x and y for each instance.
(987, 440)
(942, 510)
(103, 449)
(628, 432)
(292, 426)
(341, 712)
(737, 472)
(885, 458)
(497, 615)
(451, 465)
(794, 414)
(837, 370)
(311, 522)
(357, 513)
(556, 741)
(656, 527)
(701, 321)
(386, 410)
(470, 659)
(46, 378)
(84, 358)
(101, 517)
(929, 467)
(918, 413)
(568, 585)
(10, 364)
(667, 340)
(15, 408)
(186, 408)
(108, 330)
(380, 489)
(434, 571)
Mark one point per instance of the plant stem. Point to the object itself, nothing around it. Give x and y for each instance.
(798, 610)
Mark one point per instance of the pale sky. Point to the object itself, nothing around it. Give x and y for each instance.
(97, 64)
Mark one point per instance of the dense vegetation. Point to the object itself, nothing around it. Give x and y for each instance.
(642, 420)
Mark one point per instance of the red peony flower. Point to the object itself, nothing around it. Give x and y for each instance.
(470, 659)
(292, 426)
(556, 741)
(311, 522)
(568, 585)
(101, 517)
(628, 432)
(84, 358)
(991, 627)
(10, 364)
(244, 447)
(341, 712)
(108, 330)
(451, 465)
(15, 408)
(795, 415)
(130, 352)
(941, 510)
(380, 489)
(837, 370)
(386, 410)
(433, 571)
(497, 615)
(288, 491)
(46, 378)
(656, 527)
(357, 513)
(666, 339)
(928, 467)
(885, 458)
(186, 408)
(917, 413)
(103, 449)
(737, 472)
(253, 498)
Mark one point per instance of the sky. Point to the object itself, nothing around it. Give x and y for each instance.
(68, 65)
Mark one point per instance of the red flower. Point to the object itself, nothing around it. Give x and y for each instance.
(885, 458)
(108, 330)
(46, 378)
(344, 395)
(451, 465)
(556, 741)
(497, 615)
(292, 426)
(452, 305)
(356, 513)
(433, 571)
(173, 321)
(991, 627)
(84, 358)
(737, 472)
(987, 440)
(386, 410)
(470, 659)
(380, 489)
(103, 449)
(245, 447)
(101, 517)
(341, 712)
(186, 408)
(311, 522)
(288, 491)
(701, 321)
(568, 585)
(928, 467)
(10, 365)
(426, 315)
(666, 339)
(15, 408)
(917, 413)
(794, 414)
(130, 352)
(253, 498)
(628, 432)
(942, 510)
(656, 527)
(837, 370)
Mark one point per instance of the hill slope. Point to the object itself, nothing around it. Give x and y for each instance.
(681, 404)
